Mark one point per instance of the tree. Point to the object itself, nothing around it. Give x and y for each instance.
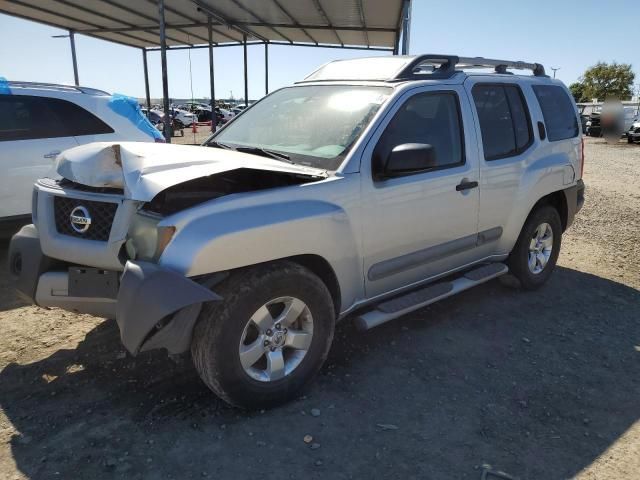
(605, 80)
(577, 90)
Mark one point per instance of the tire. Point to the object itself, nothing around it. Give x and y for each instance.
(629, 139)
(531, 278)
(224, 328)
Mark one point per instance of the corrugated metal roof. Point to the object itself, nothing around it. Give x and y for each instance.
(361, 23)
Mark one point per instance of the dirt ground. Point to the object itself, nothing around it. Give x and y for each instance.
(542, 385)
(192, 138)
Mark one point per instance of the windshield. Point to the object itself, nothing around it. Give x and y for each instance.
(309, 125)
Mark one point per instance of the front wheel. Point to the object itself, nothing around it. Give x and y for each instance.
(267, 338)
(536, 252)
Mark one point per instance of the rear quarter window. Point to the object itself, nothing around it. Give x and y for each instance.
(558, 112)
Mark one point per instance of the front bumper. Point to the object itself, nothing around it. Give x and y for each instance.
(157, 308)
(154, 308)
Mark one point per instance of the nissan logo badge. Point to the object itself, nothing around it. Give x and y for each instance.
(80, 219)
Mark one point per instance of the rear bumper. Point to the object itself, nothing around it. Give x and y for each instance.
(154, 308)
(575, 200)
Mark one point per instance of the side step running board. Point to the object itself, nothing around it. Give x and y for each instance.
(416, 299)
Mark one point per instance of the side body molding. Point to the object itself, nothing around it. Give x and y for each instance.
(148, 294)
(415, 259)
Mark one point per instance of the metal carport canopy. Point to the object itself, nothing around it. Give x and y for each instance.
(176, 24)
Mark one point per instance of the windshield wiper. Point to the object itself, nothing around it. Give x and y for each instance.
(219, 145)
(265, 153)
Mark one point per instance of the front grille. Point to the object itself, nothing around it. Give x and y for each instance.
(101, 213)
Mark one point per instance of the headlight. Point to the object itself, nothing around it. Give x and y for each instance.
(143, 236)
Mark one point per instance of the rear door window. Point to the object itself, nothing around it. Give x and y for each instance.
(558, 112)
(505, 123)
(25, 117)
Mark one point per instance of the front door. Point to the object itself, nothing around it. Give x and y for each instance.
(424, 223)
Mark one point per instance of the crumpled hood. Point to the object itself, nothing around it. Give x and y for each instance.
(143, 170)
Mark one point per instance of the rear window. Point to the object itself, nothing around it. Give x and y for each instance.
(25, 117)
(558, 112)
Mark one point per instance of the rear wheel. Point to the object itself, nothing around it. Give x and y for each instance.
(536, 252)
(267, 338)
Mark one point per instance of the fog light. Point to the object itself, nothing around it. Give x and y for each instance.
(16, 264)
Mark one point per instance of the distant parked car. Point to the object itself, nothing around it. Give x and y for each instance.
(633, 134)
(584, 123)
(156, 117)
(631, 116)
(38, 121)
(226, 115)
(594, 128)
(187, 118)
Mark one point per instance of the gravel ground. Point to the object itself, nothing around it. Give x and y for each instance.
(541, 385)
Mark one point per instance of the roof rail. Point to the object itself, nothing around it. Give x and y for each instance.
(87, 90)
(444, 66)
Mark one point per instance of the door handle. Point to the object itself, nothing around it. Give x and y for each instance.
(52, 154)
(541, 131)
(464, 185)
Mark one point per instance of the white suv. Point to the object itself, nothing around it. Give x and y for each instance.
(38, 121)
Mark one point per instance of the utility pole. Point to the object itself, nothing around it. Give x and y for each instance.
(555, 70)
(72, 42)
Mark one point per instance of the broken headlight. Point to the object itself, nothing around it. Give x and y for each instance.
(142, 238)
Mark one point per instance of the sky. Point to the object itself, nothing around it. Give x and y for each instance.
(569, 34)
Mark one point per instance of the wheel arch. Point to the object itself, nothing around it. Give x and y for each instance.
(557, 200)
(319, 266)
(323, 269)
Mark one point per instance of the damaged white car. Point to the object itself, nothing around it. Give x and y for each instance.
(374, 190)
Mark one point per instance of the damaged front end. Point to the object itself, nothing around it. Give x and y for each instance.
(106, 225)
(157, 308)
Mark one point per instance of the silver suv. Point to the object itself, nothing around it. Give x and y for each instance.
(368, 190)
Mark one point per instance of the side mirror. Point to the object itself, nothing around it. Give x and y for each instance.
(408, 158)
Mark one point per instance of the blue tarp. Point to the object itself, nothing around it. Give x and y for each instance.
(4, 87)
(128, 107)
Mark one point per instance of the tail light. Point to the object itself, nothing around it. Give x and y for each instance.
(581, 156)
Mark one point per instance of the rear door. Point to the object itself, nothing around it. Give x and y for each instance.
(31, 136)
(505, 128)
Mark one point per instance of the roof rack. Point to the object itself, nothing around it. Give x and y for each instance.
(444, 66)
(87, 90)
